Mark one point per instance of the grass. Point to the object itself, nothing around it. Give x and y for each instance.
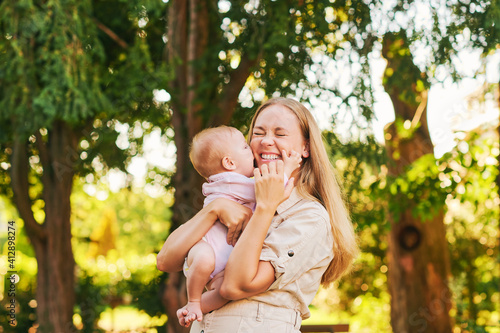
(129, 319)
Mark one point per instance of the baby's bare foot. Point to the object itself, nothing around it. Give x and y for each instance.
(194, 313)
(181, 315)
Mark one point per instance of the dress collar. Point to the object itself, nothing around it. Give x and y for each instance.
(291, 201)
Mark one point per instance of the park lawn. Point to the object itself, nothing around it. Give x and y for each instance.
(128, 318)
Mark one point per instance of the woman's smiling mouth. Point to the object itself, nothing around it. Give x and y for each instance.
(269, 156)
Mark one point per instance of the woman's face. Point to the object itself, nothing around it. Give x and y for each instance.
(276, 129)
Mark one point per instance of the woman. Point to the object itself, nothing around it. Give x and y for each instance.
(296, 239)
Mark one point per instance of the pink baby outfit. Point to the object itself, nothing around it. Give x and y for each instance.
(230, 185)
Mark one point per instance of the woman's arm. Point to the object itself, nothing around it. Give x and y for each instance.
(245, 275)
(176, 247)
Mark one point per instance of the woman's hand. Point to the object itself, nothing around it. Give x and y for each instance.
(234, 216)
(269, 187)
(244, 278)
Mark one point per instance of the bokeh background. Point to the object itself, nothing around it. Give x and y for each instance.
(99, 100)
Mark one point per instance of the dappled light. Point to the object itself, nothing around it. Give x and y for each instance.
(99, 104)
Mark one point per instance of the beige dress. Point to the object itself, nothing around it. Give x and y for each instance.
(299, 245)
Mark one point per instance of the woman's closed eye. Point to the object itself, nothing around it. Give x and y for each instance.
(280, 133)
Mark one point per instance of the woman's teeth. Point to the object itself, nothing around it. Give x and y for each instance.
(269, 157)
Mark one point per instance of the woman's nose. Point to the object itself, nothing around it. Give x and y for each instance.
(267, 140)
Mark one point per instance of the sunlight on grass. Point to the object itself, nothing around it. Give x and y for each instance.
(370, 314)
(321, 317)
(126, 318)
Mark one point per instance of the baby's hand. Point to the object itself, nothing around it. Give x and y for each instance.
(291, 162)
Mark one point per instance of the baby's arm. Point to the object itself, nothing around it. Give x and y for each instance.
(290, 163)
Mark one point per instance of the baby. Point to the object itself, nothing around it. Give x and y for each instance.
(222, 156)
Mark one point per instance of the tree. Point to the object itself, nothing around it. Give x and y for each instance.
(64, 76)
(418, 251)
(417, 229)
(418, 254)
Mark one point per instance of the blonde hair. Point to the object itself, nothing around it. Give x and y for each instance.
(206, 151)
(317, 181)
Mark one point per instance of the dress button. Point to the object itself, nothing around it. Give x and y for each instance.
(291, 253)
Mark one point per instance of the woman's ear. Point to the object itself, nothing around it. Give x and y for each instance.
(228, 163)
(305, 151)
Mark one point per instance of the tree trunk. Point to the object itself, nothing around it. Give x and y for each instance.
(183, 47)
(418, 257)
(189, 30)
(51, 240)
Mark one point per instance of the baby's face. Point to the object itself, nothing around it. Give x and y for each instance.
(242, 154)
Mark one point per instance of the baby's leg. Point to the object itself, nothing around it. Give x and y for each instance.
(201, 263)
(211, 299)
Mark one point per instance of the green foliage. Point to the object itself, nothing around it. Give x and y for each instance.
(50, 72)
(402, 77)
(288, 39)
(469, 174)
(464, 180)
(418, 188)
(141, 290)
(25, 265)
(90, 300)
(362, 167)
(404, 131)
(61, 63)
(25, 314)
(364, 313)
(478, 19)
(126, 274)
(58, 63)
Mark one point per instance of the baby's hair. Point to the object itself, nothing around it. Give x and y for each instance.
(207, 149)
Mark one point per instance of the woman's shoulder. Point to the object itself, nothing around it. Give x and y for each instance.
(305, 208)
(305, 222)
(314, 207)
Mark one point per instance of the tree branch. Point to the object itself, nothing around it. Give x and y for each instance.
(231, 91)
(420, 110)
(20, 187)
(111, 34)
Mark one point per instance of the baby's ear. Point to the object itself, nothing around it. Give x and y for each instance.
(228, 163)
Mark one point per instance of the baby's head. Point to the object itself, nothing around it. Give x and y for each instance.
(221, 149)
